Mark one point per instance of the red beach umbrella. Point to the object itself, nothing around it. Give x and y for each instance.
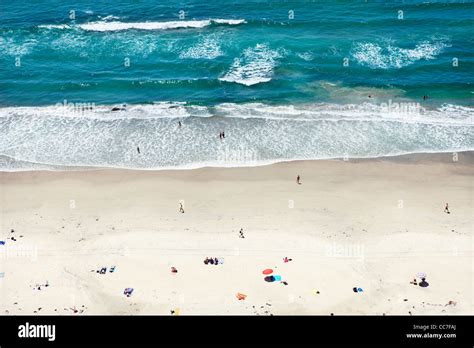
(268, 271)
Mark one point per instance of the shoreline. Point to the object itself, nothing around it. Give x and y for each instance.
(401, 158)
(368, 223)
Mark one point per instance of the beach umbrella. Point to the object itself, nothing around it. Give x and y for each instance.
(421, 275)
(267, 271)
(424, 284)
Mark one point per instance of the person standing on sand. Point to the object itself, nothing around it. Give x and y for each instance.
(446, 209)
(181, 209)
(298, 178)
(179, 124)
(138, 150)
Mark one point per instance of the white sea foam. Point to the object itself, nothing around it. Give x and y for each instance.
(385, 112)
(12, 47)
(109, 17)
(110, 23)
(67, 109)
(207, 47)
(55, 26)
(307, 56)
(229, 21)
(390, 111)
(255, 66)
(64, 135)
(69, 41)
(387, 56)
(117, 26)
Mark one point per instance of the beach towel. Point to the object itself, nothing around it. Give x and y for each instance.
(267, 271)
(277, 278)
(2, 242)
(220, 261)
(128, 292)
(241, 296)
(2, 275)
(269, 279)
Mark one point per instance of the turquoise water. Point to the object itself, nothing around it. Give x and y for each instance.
(284, 79)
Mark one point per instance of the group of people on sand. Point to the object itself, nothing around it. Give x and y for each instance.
(103, 270)
(13, 238)
(38, 286)
(211, 261)
(423, 283)
(221, 135)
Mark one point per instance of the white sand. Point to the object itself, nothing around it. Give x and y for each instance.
(370, 223)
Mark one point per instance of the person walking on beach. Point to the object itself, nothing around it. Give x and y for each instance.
(298, 178)
(446, 209)
(138, 149)
(181, 209)
(179, 124)
(223, 135)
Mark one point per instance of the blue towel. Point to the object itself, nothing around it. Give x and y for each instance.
(2, 242)
(277, 278)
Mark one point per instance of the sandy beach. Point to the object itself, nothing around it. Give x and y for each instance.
(372, 224)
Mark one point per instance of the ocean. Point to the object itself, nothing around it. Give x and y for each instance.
(151, 84)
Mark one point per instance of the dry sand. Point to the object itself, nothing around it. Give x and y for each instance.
(372, 224)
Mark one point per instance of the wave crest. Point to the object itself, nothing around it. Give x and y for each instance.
(104, 25)
(207, 47)
(377, 56)
(43, 138)
(254, 66)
